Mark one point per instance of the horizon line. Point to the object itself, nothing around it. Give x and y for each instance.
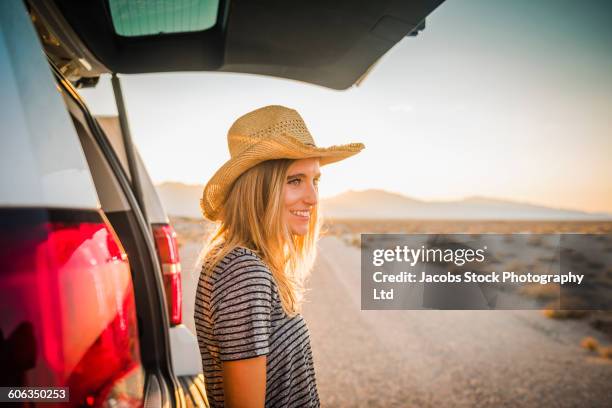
(448, 200)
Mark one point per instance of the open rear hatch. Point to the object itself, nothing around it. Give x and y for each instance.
(328, 43)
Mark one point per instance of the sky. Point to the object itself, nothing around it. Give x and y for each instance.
(501, 99)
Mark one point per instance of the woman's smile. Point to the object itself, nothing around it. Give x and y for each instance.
(303, 214)
(301, 194)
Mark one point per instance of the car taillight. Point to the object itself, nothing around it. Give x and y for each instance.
(167, 252)
(68, 315)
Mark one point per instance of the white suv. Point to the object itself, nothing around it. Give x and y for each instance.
(90, 289)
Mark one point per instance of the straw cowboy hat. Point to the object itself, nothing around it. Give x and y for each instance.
(271, 132)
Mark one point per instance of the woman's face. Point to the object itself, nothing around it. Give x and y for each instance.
(301, 194)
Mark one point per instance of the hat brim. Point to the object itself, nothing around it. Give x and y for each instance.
(270, 148)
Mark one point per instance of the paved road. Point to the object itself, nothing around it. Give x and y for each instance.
(436, 358)
(442, 358)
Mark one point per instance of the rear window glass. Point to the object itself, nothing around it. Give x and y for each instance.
(152, 17)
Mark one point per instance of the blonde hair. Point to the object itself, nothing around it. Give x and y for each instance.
(252, 217)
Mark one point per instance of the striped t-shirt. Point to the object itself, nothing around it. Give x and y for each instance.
(238, 315)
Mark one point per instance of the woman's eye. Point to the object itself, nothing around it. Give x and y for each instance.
(295, 182)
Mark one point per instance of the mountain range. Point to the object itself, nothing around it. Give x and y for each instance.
(183, 200)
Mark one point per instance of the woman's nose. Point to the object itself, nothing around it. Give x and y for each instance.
(312, 195)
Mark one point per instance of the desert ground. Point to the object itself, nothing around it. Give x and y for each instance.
(432, 358)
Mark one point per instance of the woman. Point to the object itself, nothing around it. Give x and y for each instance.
(254, 344)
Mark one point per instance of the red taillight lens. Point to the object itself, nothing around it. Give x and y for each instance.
(167, 252)
(67, 299)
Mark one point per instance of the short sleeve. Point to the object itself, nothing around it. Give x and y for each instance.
(241, 306)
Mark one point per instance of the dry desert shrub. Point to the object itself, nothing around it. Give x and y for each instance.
(535, 240)
(536, 267)
(515, 266)
(537, 291)
(502, 255)
(606, 352)
(602, 321)
(595, 265)
(589, 343)
(353, 240)
(576, 257)
(552, 312)
(565, 314)
(548, 258)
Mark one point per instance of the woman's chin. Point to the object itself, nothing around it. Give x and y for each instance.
(301, 231)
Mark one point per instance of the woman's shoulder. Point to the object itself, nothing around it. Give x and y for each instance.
(242, 272)
(241, 260)
(241, 253)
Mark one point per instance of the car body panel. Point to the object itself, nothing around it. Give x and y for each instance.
(186, 359)
(39, 143)
(332, 44)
